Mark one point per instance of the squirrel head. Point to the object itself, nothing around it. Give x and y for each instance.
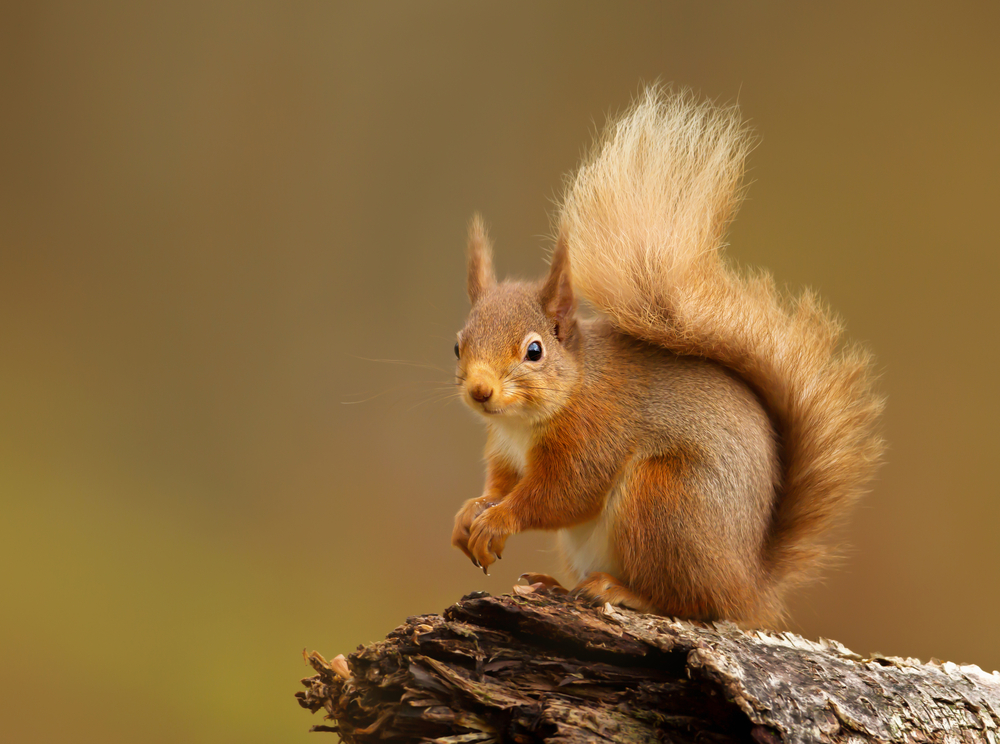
(518, 351)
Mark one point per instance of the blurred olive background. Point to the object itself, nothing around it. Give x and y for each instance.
(214, 217)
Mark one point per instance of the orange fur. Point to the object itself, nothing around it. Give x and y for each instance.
(645, 219)
(694, 445)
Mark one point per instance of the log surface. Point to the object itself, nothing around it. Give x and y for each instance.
(541, 667)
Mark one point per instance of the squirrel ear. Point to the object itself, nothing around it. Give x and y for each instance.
(557, 292)
(480, 251)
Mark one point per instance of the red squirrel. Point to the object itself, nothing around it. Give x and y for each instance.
(691, 445)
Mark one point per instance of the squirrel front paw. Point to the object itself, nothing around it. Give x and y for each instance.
(463, 524)
(488, 534)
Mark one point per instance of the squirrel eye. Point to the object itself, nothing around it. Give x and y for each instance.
(534, 352)
(457, 355)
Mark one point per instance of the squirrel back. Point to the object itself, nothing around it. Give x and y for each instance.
(644, 221)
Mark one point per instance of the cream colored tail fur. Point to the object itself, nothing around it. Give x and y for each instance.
(644, 219)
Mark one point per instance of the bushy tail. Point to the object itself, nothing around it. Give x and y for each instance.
(644, 219)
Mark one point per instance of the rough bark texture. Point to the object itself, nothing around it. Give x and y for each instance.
(544, 667)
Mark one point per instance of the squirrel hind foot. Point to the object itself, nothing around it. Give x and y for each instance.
(539, 582)
(543, 581)
(601, 588)
(604, 588)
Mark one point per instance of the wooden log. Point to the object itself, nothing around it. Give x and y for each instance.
(544, 667)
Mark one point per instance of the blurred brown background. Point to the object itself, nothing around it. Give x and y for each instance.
(213, 215)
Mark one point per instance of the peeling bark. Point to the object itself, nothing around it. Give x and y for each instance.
(544, 667)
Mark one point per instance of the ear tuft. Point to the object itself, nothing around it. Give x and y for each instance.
(480, 259)
(557, 296)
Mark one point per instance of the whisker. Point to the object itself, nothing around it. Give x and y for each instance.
(511, 371)
(438, 385)
(439, 399)
(405, 362)
(535, 388)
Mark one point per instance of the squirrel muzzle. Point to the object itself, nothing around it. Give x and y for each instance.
(483, 390)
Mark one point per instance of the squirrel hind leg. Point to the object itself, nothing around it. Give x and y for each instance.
(605, 588)
(668, 545)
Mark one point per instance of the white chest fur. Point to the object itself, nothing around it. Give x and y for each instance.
(511, 439)
(586, 548)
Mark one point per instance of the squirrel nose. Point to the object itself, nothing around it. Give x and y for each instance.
(481, 392)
